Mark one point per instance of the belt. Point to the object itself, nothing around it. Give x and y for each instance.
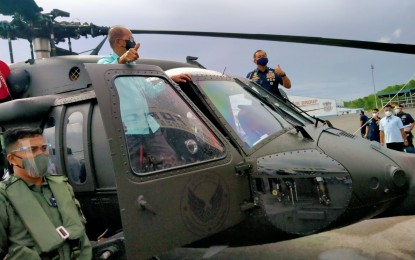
(74, 246)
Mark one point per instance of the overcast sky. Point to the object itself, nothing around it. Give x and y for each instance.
(315, 71)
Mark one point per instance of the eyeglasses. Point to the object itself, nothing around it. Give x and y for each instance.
(33, 149)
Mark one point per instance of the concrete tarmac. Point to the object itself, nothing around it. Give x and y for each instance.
(381, 239)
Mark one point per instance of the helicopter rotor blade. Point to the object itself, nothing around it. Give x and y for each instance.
(378, 46)
(98, 48)
(26, 8)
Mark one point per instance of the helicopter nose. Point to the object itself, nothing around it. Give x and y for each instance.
(341, 181)
(380, 178)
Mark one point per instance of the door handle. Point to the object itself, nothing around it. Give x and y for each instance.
(143, 205)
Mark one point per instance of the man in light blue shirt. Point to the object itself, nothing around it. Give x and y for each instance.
(132, 92)
(125, 50)
(147, 145)
(392, 131)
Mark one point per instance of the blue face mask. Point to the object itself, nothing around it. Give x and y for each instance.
(262, 61)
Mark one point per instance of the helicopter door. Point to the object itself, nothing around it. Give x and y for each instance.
(175, 175)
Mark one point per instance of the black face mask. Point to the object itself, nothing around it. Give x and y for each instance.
(129, 44)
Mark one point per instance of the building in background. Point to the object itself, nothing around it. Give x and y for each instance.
(322, 107)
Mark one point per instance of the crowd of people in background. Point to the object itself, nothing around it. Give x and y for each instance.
(394, 130)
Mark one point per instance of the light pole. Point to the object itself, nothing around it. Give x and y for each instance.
(374, 88)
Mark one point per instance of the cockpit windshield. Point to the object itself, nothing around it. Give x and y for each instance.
(250, 117)
(293, 112)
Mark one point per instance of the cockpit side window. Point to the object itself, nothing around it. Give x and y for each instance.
(251, 120)
(161, 130)
(75, 165)
(49, 135)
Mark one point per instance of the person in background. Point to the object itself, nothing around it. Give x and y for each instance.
(267, 77)
(391, 131)
(363, 119)
(39, 215)
(408, 123)
(372, 126)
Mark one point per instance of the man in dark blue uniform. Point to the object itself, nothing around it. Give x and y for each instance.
(267, 77)
(372, 126)
(408, 123)
(363, 119)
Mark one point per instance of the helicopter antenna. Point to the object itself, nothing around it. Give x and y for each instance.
(10, 44)
(193, 60)
(31, 49)
(52, 43)
(69, 44)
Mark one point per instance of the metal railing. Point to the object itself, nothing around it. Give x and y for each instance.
(405, 99)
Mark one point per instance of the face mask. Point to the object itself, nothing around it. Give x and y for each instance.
(129, 44)
(397, 111)
(388, 113)
(262, 61)
(375, 114)
(36, 166)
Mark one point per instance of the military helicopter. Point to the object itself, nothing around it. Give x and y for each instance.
(254, 168)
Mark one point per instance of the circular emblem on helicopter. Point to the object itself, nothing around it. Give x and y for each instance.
(204, 204)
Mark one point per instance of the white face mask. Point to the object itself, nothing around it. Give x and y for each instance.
(397, 111)
(375, 114)
(388, 113)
